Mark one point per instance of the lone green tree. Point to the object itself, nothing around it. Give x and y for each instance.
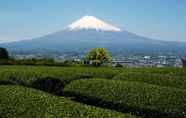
(3, 54)
(98, 56)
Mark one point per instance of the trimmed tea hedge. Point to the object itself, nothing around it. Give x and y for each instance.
(165, 71)
(152, 78)
(21, 102)
(50, 79)
(26, 75)
(136, 95)
(142, 99)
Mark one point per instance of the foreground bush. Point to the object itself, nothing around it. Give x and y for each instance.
(142, 99)
(152, 78)
(20, 102)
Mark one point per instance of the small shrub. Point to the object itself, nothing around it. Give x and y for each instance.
(96, 63)
(119, 66)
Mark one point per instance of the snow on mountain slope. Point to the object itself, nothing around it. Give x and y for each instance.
(91, 22)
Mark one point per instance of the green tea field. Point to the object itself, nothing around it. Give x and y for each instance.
(92, 92)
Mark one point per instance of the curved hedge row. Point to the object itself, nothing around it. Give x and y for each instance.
(21, 102)
(165, 71)
(26, 75)
(152, 78)
(142, 99)
(49, 79)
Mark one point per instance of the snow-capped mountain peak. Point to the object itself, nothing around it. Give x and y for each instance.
(91, 22)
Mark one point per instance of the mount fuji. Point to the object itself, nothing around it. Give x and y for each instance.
(90, 32)
(91, 22)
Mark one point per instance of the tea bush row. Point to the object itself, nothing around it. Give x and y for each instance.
(153, 78)
(146, 100)
(21, 102)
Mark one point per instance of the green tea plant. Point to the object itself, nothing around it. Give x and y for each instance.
(21, 102)
(154, 78)
(146, 100)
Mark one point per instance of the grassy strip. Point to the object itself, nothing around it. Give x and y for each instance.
(21, 102)
(152, 78)
(149, 101)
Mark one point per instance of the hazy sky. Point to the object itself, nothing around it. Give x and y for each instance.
(159, 19)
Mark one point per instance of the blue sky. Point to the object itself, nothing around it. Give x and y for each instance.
(158, 19)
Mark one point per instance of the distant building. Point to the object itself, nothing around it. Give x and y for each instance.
(147, 57)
